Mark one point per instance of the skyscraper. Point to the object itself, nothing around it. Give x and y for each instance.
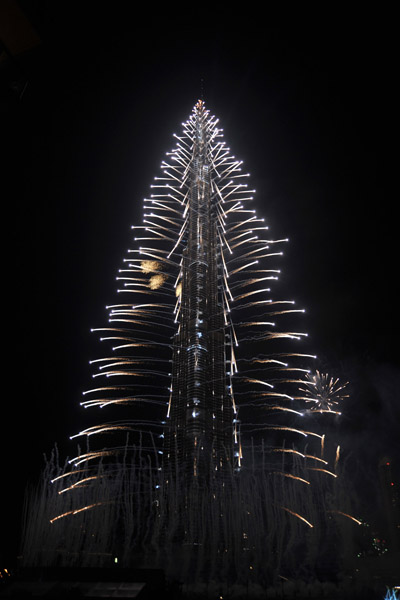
(200, 429)
(198, 335)
(198, 287)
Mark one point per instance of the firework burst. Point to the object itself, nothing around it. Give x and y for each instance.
(323, 393)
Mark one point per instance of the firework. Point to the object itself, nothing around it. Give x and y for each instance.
(194, 293)
(199, 336)
(323, 393)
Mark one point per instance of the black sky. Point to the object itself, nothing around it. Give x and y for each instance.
(305, 102)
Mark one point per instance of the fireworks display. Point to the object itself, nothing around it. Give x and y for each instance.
(323, 393)
(198, 338)
(201, 364)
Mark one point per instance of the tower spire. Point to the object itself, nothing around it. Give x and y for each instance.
(199, 435)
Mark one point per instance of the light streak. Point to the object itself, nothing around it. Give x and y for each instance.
(101, 389)
(275, 395)
(269, 360)
(241, 223)
(125, 400)
(68, 474)
(297, 515)
(339, 512)
(291, 476)
(78, 483)
(261, 249)
(244, 267)
(252, 293)
(285, 312)
(76, 511)
(316, 458)
(254, 280)
(243, 242)
(289, 451)
(90, 456)
(292, 429)
(337, 456)
(322, 471)
(101, 429)
(284, 409)
(248, 380)
(256, 323)
(288, 334)
(137, 345)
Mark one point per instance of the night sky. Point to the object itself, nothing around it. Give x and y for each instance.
(305, 103)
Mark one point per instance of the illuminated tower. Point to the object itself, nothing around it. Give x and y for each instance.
(198, 281)
(200, 430)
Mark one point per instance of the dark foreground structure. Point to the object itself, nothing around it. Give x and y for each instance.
(147, 584)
